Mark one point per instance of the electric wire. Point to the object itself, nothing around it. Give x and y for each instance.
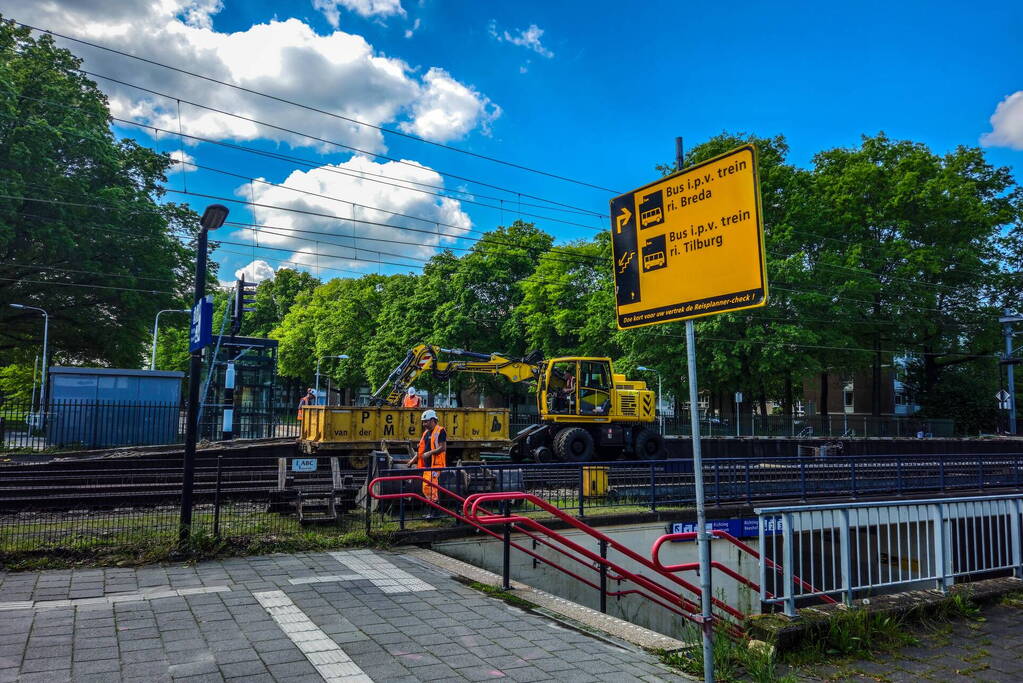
(780, 287)
(322, 111)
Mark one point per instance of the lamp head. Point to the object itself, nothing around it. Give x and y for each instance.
(17, 306)
(214, 216)
(644, 368)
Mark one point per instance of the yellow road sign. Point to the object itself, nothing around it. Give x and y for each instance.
(691, 244)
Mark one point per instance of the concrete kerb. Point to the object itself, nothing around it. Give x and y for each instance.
(785, 633)
(616, 631)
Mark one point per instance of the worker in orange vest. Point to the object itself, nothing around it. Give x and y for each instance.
(411, 399)
(433, 455)
(307, 400)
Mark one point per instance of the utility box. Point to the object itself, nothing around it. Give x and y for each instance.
(107, 407)
(595, 481)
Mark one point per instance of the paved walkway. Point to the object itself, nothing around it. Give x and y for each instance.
(356, 615)
(988, 649)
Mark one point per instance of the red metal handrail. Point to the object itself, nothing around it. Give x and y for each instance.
(472, 504)
(655, 552)
(684, 603)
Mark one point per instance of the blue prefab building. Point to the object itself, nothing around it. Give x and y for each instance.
(106, 407)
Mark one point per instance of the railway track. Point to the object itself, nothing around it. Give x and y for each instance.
(151, 479)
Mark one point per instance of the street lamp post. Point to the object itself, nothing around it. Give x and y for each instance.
(156, 326)
(46, 338)
(660, 413)
(212, 218)
(339, 357)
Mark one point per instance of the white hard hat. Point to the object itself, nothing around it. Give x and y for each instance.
(429, 415)
(411, 391)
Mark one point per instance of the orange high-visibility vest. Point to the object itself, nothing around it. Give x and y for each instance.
(411, 402)
(438, 459)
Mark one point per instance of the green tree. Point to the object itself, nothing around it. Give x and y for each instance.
(913, 247)
(81, 234)
(274, 298)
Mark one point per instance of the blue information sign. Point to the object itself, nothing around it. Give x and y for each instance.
(740, 528)
(303, 465)
(201, 333)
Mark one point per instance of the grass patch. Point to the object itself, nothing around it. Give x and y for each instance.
(128, 538)
(855, 633)
(1014, 599)
(734, 660)
(500, 594)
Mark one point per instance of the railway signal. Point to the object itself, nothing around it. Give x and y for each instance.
(244, 302)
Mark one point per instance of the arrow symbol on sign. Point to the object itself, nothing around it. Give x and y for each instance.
(623, 218)
(625, 260)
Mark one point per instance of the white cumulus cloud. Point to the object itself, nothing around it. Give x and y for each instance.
(447, 109)
(1006, 123)
(181, 163)
(409, 32)
(256, 271)
(528, 38)
(340, 72)
(334, 240)
(365, 8)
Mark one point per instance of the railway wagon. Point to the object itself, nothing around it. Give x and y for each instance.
(356, 431)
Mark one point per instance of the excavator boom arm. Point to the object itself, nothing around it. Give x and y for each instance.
(423, 358)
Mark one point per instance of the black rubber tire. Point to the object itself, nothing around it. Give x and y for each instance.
(574, 444)
(648, 444)
(543, 454)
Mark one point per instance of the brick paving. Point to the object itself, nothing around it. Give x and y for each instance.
(987, 649)
(348, 616)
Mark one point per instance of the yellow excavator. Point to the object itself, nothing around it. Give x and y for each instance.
(584, 409)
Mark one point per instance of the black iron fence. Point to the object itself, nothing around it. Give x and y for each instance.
(845, 426)
(597, 489)
(100, 505)
(74, 424)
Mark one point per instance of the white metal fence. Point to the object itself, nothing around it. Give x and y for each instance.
(860, 549)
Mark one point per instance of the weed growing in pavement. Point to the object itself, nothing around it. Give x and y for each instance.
(734, 659)
(500, 594)
(854, 633)
(957, 606)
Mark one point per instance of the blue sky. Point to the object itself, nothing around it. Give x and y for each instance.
(595, 91)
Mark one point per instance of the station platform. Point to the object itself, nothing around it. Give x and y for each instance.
(350, 615)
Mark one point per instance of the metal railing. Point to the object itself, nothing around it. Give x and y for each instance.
(860, 549)
(83, 424)
(617, 487)
(815, 426)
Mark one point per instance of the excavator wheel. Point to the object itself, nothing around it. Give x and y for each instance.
(573, 444)
(543, 454)
(649, 445)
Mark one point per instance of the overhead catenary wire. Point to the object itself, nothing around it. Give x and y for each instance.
(283, 100)
(902, 347)
(370, 177)
(780, 287)
(89, 286)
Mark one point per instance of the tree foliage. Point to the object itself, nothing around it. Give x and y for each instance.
(81, 234)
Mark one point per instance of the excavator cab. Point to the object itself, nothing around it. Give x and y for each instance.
(578, 387)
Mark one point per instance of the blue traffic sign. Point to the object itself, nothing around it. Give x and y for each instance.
(303, 465)
(201, 333)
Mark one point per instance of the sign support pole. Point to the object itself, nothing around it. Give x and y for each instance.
(192, 414)
(702, 537)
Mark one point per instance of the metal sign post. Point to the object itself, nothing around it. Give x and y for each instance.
(702, 538)
(687, 246)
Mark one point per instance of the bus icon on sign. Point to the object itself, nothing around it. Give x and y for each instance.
(654, 254)
(651, 210)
